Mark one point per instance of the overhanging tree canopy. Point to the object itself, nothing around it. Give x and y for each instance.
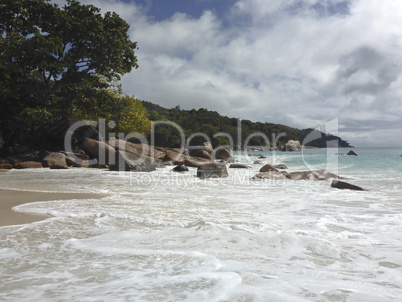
(52, 58)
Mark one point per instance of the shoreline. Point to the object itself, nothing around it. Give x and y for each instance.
(10, 198)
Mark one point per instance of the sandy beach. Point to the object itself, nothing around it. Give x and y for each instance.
(12, 198)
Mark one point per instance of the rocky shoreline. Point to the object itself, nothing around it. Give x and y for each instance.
(117, 155)
(120, 155)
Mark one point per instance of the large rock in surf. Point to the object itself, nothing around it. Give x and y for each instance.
(55, 161)
(204, 151)
(212, 170)
(137, 151)
(78, 158)
(344, 185)
(352, 153)
(145, 166)
(103, 152)
(79, 154)
(208, 147)
(292, 145)
(268, 168)
(122, 163)
(119, 163)
(180, 169)
(81, 163)
(311, 175)
(200, 152)
(221, 153)
(176, 156)
(6, 166)
(178, 150)
(70, 161)
(28, 165)
(179, 158)
(238, 166)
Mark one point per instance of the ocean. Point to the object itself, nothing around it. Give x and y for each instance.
(166, 236)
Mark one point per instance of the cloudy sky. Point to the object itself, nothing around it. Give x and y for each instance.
(297, 62)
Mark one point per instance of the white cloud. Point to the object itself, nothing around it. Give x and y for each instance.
(299, 63)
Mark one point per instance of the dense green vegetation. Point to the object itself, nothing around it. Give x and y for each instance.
(211, 123)
(59, 64)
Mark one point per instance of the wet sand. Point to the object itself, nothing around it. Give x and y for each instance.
(12, 198)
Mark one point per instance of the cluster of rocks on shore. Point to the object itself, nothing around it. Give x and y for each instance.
(120, 155)
(117, 155)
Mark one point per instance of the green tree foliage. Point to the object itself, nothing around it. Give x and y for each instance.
(126, 114)
(211, 123)
(55, 62)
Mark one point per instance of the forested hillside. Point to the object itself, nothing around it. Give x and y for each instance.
(211, 123)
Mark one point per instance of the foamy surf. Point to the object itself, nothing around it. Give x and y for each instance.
(165, 236)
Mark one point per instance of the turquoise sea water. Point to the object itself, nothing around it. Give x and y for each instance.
(374, 166)
(165, 236)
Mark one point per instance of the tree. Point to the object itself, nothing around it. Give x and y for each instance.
(123, 114)
(53, 60)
